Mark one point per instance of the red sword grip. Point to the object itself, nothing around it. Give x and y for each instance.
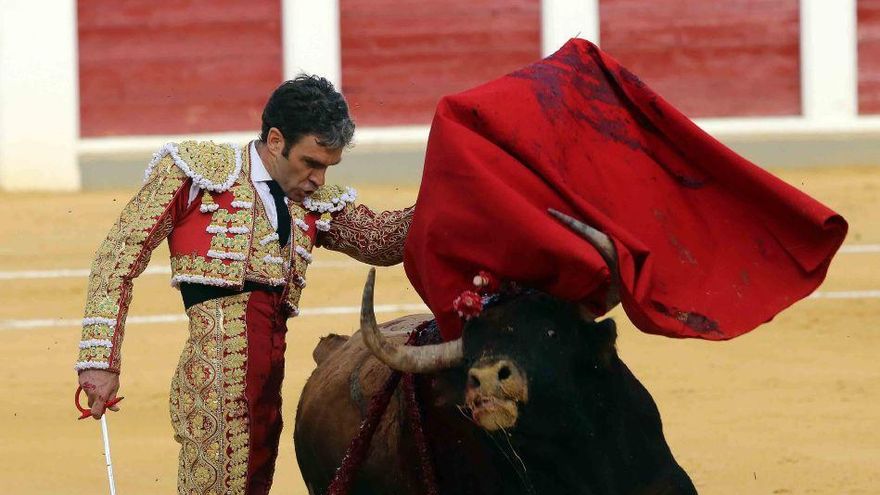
(86, 412)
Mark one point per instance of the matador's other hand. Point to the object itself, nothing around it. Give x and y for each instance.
(101, 387)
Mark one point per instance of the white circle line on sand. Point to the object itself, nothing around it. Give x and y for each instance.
(175, 318)
(321, 265)
(860, 248)
(338, 310)
(846, 294)
(152, 270)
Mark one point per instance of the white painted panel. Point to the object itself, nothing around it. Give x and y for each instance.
(310, 36)
(562, 20)
(829, 48)
(39, 103)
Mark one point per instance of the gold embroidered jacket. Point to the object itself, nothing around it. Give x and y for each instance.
(224, 237)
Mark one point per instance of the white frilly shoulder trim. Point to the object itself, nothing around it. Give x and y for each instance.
(199, 180)
(332, 205)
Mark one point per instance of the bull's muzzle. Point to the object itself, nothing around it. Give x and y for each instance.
(495, 390)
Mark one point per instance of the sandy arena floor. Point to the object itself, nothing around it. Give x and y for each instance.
(791, 408)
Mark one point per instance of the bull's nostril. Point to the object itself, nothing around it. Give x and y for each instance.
(473, 381)
(504, 373)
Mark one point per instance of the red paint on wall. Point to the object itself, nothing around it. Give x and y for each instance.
(869, 56)
(167, 66)
(710, 58)
(399, 57)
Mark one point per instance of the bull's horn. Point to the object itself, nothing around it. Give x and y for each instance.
(409, 359)
(606, 249)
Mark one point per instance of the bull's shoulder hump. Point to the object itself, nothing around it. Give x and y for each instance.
(405, 323)
(327, 345)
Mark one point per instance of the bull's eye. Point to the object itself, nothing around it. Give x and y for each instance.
(504, 373)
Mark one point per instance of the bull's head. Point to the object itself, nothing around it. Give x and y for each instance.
(505, 351)
(531, 352)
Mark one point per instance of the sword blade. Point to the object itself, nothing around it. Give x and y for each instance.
(106, 436)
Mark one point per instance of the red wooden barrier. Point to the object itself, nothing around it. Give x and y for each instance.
(869, 56)
(400, 56)
(710, 58)
(167, 66)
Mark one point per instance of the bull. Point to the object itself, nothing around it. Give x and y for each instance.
(533, 399)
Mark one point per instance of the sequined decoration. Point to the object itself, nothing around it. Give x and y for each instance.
(367, 236)
(211, 165)
(208, 403)
(230, 230)
(143, 224)
(299, 255)
(265, 263)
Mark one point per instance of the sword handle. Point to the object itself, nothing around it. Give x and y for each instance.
(86, 412)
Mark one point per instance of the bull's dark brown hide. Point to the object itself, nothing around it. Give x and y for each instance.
(589, 426)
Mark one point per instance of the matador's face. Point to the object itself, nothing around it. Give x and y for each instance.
(303, 170)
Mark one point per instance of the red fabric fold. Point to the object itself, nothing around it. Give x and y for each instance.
(710, 245)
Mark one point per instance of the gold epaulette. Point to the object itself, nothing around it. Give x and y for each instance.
(330, 199)
(211, 166)
(327, 201)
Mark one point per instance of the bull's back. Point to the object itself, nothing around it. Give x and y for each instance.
(333, 403)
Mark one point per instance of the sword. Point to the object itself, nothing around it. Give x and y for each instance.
(85, 413)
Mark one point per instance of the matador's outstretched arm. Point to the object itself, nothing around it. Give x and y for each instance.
(367, 236)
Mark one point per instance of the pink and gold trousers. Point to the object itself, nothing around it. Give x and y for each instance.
(226, 394)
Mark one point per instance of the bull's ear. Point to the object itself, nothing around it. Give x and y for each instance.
(604, 341)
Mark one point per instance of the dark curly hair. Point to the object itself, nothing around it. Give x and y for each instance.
(308, 104)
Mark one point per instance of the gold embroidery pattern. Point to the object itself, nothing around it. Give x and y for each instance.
(210, 162)
(366, 236)
(265, 249)
(230, 228)
(298, 264)
(243, 190)
(208, 404)
(330, 198)
(196, 269)
(236, 242)
(143, 224)
(208, 203)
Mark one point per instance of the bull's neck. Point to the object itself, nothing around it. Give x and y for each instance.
(611, 441)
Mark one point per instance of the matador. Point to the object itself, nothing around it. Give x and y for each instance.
(241, 222)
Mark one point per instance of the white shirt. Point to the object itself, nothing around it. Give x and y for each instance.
(260, 179)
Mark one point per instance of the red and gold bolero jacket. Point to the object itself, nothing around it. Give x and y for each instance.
(222, 238)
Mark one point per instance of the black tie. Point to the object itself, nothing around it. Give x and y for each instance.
(283, 213)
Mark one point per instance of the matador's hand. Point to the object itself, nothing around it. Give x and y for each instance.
(100, 386)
